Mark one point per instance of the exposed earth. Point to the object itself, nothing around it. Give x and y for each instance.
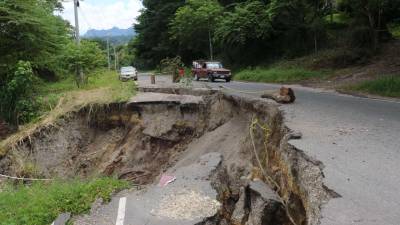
(218, 154)
(357, 141)
(349, 72)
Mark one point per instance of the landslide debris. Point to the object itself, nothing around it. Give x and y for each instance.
(262, 179)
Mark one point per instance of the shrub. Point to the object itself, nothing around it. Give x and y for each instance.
(41, 203)
(277, 74)
(17, 104)
(385, 86)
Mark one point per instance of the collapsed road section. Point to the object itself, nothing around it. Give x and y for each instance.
(229, 155)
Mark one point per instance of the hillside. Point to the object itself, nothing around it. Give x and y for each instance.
(113, 32)
(337, 69)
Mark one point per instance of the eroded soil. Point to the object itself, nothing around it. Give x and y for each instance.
(261, 179)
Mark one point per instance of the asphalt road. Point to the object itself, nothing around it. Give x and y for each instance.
(357, 140)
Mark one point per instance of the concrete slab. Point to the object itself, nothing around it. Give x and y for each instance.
(186, 201)
(149, 97)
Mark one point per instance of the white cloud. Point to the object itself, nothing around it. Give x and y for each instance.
(103, 14)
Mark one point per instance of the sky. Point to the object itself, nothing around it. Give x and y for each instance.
(103, 14)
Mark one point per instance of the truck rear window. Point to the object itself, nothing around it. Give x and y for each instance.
(214, 65)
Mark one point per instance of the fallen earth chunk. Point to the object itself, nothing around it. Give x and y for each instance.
(285, 95)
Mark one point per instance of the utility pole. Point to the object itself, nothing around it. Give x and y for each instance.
(211, 47)
(108, 52)
(79, 72)
(77, 35)
(115, 58)
(210, 40)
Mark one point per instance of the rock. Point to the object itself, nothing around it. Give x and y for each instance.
(208, 222)
(241, 212)
(223, 222)
(285, 95)
(265, 205)
(295, 135)
(263, 190)
(62, 219)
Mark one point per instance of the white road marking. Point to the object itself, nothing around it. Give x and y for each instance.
(121, 211)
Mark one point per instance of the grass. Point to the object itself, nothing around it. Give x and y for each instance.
(339, 18)
(62, 97)
(394, 29)
(388, 86)
(41, 203)
(107, 81)
(277, 74)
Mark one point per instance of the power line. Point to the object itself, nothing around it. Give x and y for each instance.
(85, 18)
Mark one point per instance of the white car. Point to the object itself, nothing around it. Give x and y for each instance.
(128, 73)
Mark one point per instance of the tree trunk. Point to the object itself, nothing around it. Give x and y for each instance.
(373, 29)
(211, 46)
(315, 42)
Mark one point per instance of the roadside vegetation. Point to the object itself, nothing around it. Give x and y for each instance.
(250, 33)
(55, 99)
(39, 70)
(338, 35)
(385, 86)
(277, 75)
(395, 29)
(41, 203)
(113, 90)
(40, 80)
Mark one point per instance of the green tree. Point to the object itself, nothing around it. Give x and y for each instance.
(244, 33)
(299, 23)
(248, 22)
(30, 32)
(16, 102)
(193, 26)
(31, 39)
(153, 43)
(370, 19)
(87, 56)
(126, 56)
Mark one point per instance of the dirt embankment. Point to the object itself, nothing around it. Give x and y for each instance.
(142, 138)
(349, 68)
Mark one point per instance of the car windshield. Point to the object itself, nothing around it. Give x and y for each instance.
(127, 69)
(214, 65)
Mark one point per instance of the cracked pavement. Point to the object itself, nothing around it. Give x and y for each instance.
(358, 142)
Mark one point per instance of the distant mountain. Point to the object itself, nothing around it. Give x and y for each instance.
(113, 32)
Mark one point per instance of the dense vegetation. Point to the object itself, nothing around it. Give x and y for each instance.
(250, 32)
(279, 75)
(36, 47)
(41, 80)
(385, 86)
(41, 203)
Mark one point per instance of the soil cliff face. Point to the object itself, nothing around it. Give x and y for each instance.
(140, 139)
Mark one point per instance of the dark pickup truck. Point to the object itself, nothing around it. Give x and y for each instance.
(210, 70)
